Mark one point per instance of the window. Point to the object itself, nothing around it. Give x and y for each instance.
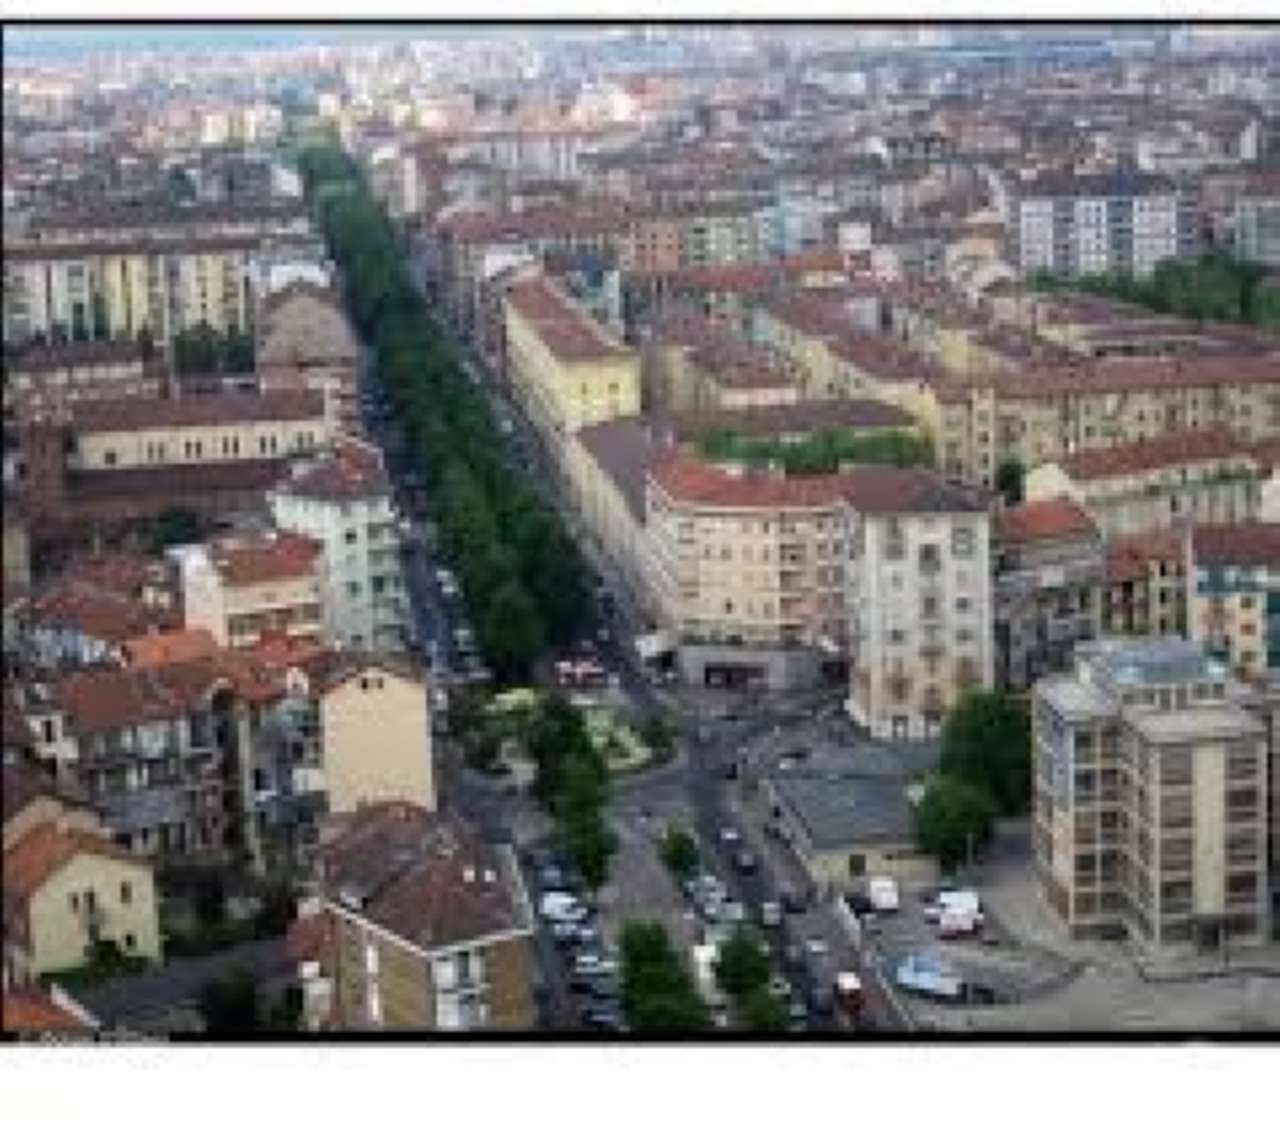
(109, 458)
(962, 542)
(75, 903)
(126, 893)
(129, 941)
(350, 537)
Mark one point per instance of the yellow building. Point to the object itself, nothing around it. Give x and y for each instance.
(66, 889)
(568, 371)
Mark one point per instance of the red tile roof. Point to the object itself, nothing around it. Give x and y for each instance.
(30, 1010)
(137, 413)
(354, 470)
(565, 329)
(1243, 543)
(1149, 455)
(1043, 521)
(45, 850)
(106, 616)
(278, 556)
(1129, 557)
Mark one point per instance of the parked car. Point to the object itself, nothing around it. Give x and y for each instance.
(883, 893)
(556, 906)
(779, 986)
(603, 1019)
(729, 836)
(816, 947)
(733, 911)
(960, 901)
(746, 862)
(793, 902)
(592, 963)
(770, 914)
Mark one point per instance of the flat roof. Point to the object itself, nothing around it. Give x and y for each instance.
(838, 811)
(1199, 723)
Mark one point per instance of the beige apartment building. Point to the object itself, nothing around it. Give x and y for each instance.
(567, 370)
(747, 570)
(244, 588)
(216, 428)
(919, 598)
(1177, 478)
(373, 696)
(1144, 591)
(1150, 798)
(421, 926)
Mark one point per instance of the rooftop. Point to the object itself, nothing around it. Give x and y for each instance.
(565, 329)
(838, 811)
(1045, 520)
(137, 413)
(1169, 450)
(1241, 543)
(1198, 723)
(425, 877)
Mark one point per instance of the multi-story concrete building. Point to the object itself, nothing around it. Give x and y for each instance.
(1094, 224)
(1256, 229)
(1180, 477)
(1150, 798)
(918, 573)
(1233, 594)
(245, 588)
(345, 502)
(1049, 570)
(421, 925)
(125, 273)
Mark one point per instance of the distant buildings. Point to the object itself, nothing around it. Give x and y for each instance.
(1096, 224)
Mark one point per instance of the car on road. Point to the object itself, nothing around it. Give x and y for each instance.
(594, 963)
(556, 906)
(770, 914)
(733, 911)
(729, 836)
(816, 947)
(793, 902)
(603, 1019)
(746, 862)
(779, 986)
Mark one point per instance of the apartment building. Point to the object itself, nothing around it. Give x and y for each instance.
(1180, 477)
(42, 382)
(421, 926)
(345, 502)
(1049, 571)
(235, 751)
(1123, 221)
(1233, 594)
(67, 890)
(1150, 798)
(1256, 227)
(244, 588)
(748, 570)
(567, 371)
(126, 272)
(918, 575)
(1144, 591)
(305, 342)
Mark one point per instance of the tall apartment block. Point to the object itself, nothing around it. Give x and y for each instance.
(1093, 224)
(1151, 797)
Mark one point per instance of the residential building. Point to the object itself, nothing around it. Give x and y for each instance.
(43, 382)
(245, 588)
(345, 502)
(1049, 572)
(1122, 221)
(567, 371)
(1180, 477)
(1233, 594)
(1257, 222)
(1150, 798)
(918, 574)
(424, 927)
(1145, 594)
(33, 797)
(66, 890)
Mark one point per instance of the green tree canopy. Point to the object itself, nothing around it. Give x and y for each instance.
(679, 852)
(986, 741)
(230, 1004)
(1010, 481)
(657, 994)
(952, 819)
(742, 965)
(762, 1011)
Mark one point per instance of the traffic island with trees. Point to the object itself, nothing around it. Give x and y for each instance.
(521, 575)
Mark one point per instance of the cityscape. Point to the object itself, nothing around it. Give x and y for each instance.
(611, 533)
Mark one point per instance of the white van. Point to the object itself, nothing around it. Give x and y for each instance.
(883, 893)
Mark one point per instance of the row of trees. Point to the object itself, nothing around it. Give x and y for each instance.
(571, 781)
(520, 571)
(821, 453)
(984, 772)
(202, 349)
(1212, 287)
